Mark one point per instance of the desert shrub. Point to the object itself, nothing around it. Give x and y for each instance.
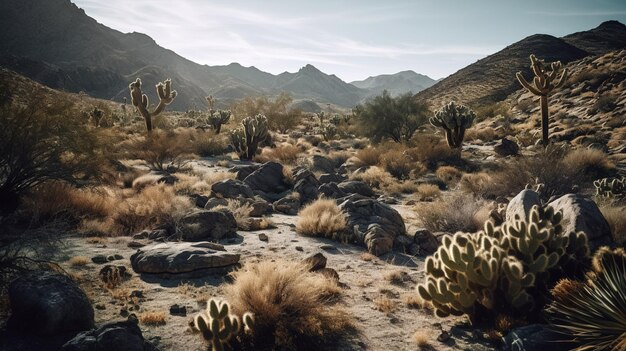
(615, 215)
(43, 138)
(431, 150)
(400, 164)
(153, 318)
(163, 150)
(504, 270)
(605, 103)
(592, 315)
(401, 187)
(369, 156)
(375, 177)
(284, 153)
(397, 118)
(591, 163)
(339, 157)
(290, 306)
(474, 183)
(490, 111)
(483, 134)
(448, 174)
(321, 218)
(451, 213)
(280, 115)
(428, 191)
(207, 145)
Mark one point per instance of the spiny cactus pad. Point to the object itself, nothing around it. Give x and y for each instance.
(454, 119)
(218, 326)
(500, 268)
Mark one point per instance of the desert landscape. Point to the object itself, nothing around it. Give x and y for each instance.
(148, 202)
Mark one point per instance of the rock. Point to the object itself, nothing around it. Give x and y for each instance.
(243, 171)
(506, 147)
(356, 187)
(268, 180)
(331, 191)
(177, 310)
(112, 272)
(581, 214)
(306, 185)
(119, 336)
(99, 259)
(432, 179)
(427, 243)
(329, 273)
(315, 262)
(175, 258)
(521, 204)
(322, 164)
(135, 244)
(299, 248)
(402, 243)
(156, 234)
(331, 178)
(374, 224)
(535, 337)
(388, 200)
(203, 225)
(48, 303)
(289, 205)
(199, 200)
(263, 237)
(231, 188)
(259, 206)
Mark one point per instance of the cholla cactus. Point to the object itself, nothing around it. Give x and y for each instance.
(502, 269)
(218, 326)
(217, 118)
(246, 138)
(140, 100)
(543, 84)
(211, 102)
(335, 119)
(96, 116)
(454, 119)
(610, 188)
(329, 131)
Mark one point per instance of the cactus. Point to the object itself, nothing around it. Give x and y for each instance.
(211, 102)
(611, 188)
(504, 269)
(321, 116)
(454, 119)
(140, 100)
(96, 116)
(329, 131)
(544, 82)
(218, 326)
(246, 138)
(335, 119)
(217, 118)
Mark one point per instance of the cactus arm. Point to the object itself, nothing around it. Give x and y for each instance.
(526, 85)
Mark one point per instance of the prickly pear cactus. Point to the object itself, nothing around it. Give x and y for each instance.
(246, 138)
(218, 326)
(504, 269)
(217, 118)
(454, 119)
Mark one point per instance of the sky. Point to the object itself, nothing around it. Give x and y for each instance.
(352, 39)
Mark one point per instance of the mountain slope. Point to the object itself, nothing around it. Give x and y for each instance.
(610, 35)
(395, 84)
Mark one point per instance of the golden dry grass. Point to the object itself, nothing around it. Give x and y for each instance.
(395, 277)
(421, 338)
(428, 191)
(153, 318)
(375, 177)
(453, 213)
(474, 183)
(367, 257)
(369, 156)
(414, 301)
(321, 218)
(284, 153)
(385, 304)
(290, 305)
(214, 177)
(448, 174)
(78, 261)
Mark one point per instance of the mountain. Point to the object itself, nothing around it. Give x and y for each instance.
(55, 42)
(395, 84)
(492, 78)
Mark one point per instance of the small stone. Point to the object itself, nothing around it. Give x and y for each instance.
(263, 237)
(100, 307)
(327, 247)
(137, 293)
(299, 248)
(444, 336)
(315, 262)
(99, 259)
(118, 257)
(135, 244)
(177, 310)
(124, 312)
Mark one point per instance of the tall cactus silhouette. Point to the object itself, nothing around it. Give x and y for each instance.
(454, 119)
(140, 100)
(246, 138)
(217, 118)
(544, 82)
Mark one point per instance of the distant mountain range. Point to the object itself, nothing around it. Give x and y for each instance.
(492, 78)
(56, 43)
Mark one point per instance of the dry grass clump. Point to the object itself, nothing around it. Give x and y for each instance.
(321, 218)
(453, 213)
(367, 257)
(592, 163)
(399, 164)
(339, 157)
(190, 184)
(385, 304)
(369, 156)
(482, 134)
(428, 191)
(153, 318)
(616, 216)
(78, 261)
(414, 301)
(431, 150)
(395, 277)
(375, 177)
(474, 183)
(241, 212)
(421, 338)
(162, 150)
(402, 187)
(214, 177)
(289, 306)
(207, 145)
(284, 153)
(448, 174)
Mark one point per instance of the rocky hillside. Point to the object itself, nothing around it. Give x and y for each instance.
(396, 84)
(493, 78)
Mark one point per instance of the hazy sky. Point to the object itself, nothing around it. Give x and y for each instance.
(351, 39)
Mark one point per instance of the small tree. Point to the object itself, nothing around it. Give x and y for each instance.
(543, 84)
(396, 118)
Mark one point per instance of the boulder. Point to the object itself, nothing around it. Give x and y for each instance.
(268, 179)
(521, 204)
(315, 262)
(426, 242)
(181, 257)
(535, 337)
(231, 188)
(306, 185)
(243, 170)
(581, 214)
(374, 224)
(506, 147)
(48, 303)
(204, 225)
(331, 178)
(259, 206)
(289, 205)
(322, 164)
(119, 336)
(356, 187)
(331, 191)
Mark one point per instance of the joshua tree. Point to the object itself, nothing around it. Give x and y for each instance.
(211, 102)
(140, 100)
(217, 118)
(544, 82)
(454, 119)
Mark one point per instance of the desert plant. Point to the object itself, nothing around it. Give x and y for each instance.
(454, 119)
(329, 131)
(96, 116)
(246, 138)
(210, 100)
(592, 315)
(393, 117)
(502, 270)
(612, 188)
(543, 84)
(217, 118)
(140, 100)
(219, 326)
(321, 218)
